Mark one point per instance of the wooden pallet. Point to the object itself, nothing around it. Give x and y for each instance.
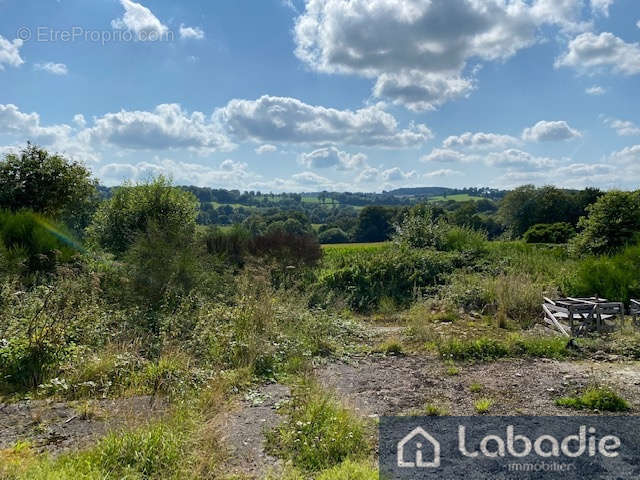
(579, 316)
(634, 311)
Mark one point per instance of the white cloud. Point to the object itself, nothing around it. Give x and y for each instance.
(138, 19)
(418, 51)
(595, 90)
(626, 156)
(638, 24)
(311, 179)
(266, 148)
(289, 120)
(623, 128)
(10, 52)
(443, 172)
(332, 157)
(545, 131)
(517, 159)
(168, 126)
(53, 68)
(479, 141)
(194, 33)
(368, 175)
(601, 6)
(229, 174)
(79, 120)
(589, 51)
(396, 174)
(442, 155)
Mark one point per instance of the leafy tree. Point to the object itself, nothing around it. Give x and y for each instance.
(132, 209)
(560, 232)
(613, 221)
(333, 235)
(375, 224)
(48, 184)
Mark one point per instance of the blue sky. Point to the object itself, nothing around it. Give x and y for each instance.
(306, 95)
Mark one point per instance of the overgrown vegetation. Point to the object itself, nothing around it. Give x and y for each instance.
(595, 398)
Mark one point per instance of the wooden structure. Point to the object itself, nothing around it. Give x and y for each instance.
(634, 311)
(579, 316)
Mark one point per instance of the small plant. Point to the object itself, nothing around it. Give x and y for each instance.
(319, 433)
(483, 405)
(452, 370)
(433, 410)
(351, 470)
(595, 398)
(390, 347)
(476, 387)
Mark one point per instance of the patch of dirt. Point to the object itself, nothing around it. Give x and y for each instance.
(378, 385)
(56, 427)
(245, 429)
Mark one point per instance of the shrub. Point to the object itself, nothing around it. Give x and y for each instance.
(485, 348)
(319, 433)
(232, 245)
(613, 221)
(120, 221)
(333, 235)
(287, 248)
(595, 398)
(401, 275)
(550, 233)
(351, 470)
(615, 278)
(35, 243)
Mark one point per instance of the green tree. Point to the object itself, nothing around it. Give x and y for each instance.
(48, 184)
(613, 221)
(333, 235)
(133, 209)
(375, 224)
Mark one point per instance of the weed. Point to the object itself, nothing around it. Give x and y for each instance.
(483, 405)
(595, 398)
(319, 432)
(433, 410)
(476, 387)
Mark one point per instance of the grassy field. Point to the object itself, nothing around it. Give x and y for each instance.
(461, 197)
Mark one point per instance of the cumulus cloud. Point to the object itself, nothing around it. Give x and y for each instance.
(168, 126)
(194, 33)
(418, 51)
(229, 174)
(10, 52)
(601, 6)
(624, 128)
(443, 155)
(626, 156)
(479, 141)
(138, 19)
(53, 68)
(545, 131)
(311, 179)
(396, 174)
(517, 159)
(443, 172)
(289, 120)
(589, 51)
(368, 175)
(596, 90)
(266, 148)
(79, 120)
(332, 157)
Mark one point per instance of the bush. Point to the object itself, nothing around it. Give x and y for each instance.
(613, 221)
(596, 398)
(402, 275)
(319, 433)
(333, 235)
(131, 210)
(232, 245)
(485, 348)
(287, 248)
(615, 278)
(550, 233)
(35, 243)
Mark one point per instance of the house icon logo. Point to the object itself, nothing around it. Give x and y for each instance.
(418, 438)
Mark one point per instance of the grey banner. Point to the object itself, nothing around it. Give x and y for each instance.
(513, 448)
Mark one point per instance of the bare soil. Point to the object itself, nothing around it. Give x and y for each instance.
(57, 427)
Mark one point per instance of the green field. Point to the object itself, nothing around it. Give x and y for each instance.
(461, 197)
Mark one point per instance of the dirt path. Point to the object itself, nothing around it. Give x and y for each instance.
(245, 430)
(56, 427)
(391, 385)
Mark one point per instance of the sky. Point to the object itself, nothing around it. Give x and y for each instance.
(338, 95)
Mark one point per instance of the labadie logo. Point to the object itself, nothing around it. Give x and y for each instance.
(417, 441)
